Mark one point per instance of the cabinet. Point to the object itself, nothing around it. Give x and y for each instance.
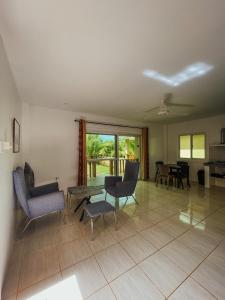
(215, 168)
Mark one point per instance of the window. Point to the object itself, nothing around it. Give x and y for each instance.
(198, 146)
(192, 146)
(185, 146)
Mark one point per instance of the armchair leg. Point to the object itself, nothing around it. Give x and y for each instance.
(117, 203)
(103, 220)
(125, 202)
(105, 195)
(92, 229)
(63, 216)
(135, 200)
(26, 225)
(115, 220)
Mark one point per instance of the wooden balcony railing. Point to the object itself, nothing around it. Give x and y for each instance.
(111, 164)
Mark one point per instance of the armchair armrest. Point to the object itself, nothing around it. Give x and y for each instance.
(112, 180)
(44, 189)
(43, 205)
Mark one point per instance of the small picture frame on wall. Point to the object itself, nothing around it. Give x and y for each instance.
(16, 136)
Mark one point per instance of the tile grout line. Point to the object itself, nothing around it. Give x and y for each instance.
(196, 269)
(138, 232)
(101, 272)
(136, 265)
(118, 242)
(37, 282)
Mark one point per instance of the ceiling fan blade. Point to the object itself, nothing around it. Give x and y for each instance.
(151, 109)
(166, 113)
(179, 104)
(179, 114)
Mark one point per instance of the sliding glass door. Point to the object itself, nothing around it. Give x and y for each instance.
(101, 157)
(129, 149)
(107, 155)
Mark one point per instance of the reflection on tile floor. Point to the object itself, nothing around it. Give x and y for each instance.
(170, 246)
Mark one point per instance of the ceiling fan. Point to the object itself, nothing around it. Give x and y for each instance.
(163, 108)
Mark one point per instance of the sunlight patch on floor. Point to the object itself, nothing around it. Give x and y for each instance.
(65, 289)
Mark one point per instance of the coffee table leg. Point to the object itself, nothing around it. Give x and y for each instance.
(79, 205)
(87, 202)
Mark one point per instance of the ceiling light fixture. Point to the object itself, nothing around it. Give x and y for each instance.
(190, 72)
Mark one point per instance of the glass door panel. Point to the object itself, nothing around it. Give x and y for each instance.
(128, 149)
(101, 157)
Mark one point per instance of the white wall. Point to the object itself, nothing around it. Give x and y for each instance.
(156, 146)
(10, 107)
(211, 126)
(52, 145)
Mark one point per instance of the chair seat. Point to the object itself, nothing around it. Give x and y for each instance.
(43, 205)
(111, 190)
(96, 209)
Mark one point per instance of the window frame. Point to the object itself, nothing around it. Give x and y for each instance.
(187, 134)
(191, 136)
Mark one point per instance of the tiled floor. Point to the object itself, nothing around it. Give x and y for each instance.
(170, 246)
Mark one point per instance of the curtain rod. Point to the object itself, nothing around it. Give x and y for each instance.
(109, 124)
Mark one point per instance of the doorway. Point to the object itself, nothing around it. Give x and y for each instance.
(107, 155)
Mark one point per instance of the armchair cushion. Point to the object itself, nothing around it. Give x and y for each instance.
(125, 188)
(42, 205)
(29, 176)
(44, 189)
(112, 180)
(21, 189)
(122, 189)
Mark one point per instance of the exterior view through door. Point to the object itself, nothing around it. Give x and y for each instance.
(107, 155)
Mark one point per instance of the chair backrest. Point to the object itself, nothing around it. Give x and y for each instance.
(29, 176)
(164, 170)
(159, 162)
(21, 189)
(182, 163)
(131, 171)
(184, 171)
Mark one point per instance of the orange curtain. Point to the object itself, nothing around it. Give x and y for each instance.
(82, 164)
(145, 155)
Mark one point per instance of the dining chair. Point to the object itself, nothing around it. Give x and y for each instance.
(164, 174)
(183, 174)
(157, 164)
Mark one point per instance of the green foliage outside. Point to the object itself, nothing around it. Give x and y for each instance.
(100, 148)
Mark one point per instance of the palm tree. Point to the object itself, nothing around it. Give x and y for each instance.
(94, 145)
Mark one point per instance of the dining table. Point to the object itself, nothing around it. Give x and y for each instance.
(177, 171)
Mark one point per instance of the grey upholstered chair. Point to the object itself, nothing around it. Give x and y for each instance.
(35, 207)
(39, 190)
(118, 187)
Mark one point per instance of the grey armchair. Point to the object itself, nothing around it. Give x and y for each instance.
(39, 190)
(119, 187)
(36, 207)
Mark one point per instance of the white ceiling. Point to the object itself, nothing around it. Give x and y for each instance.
(92, 54)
